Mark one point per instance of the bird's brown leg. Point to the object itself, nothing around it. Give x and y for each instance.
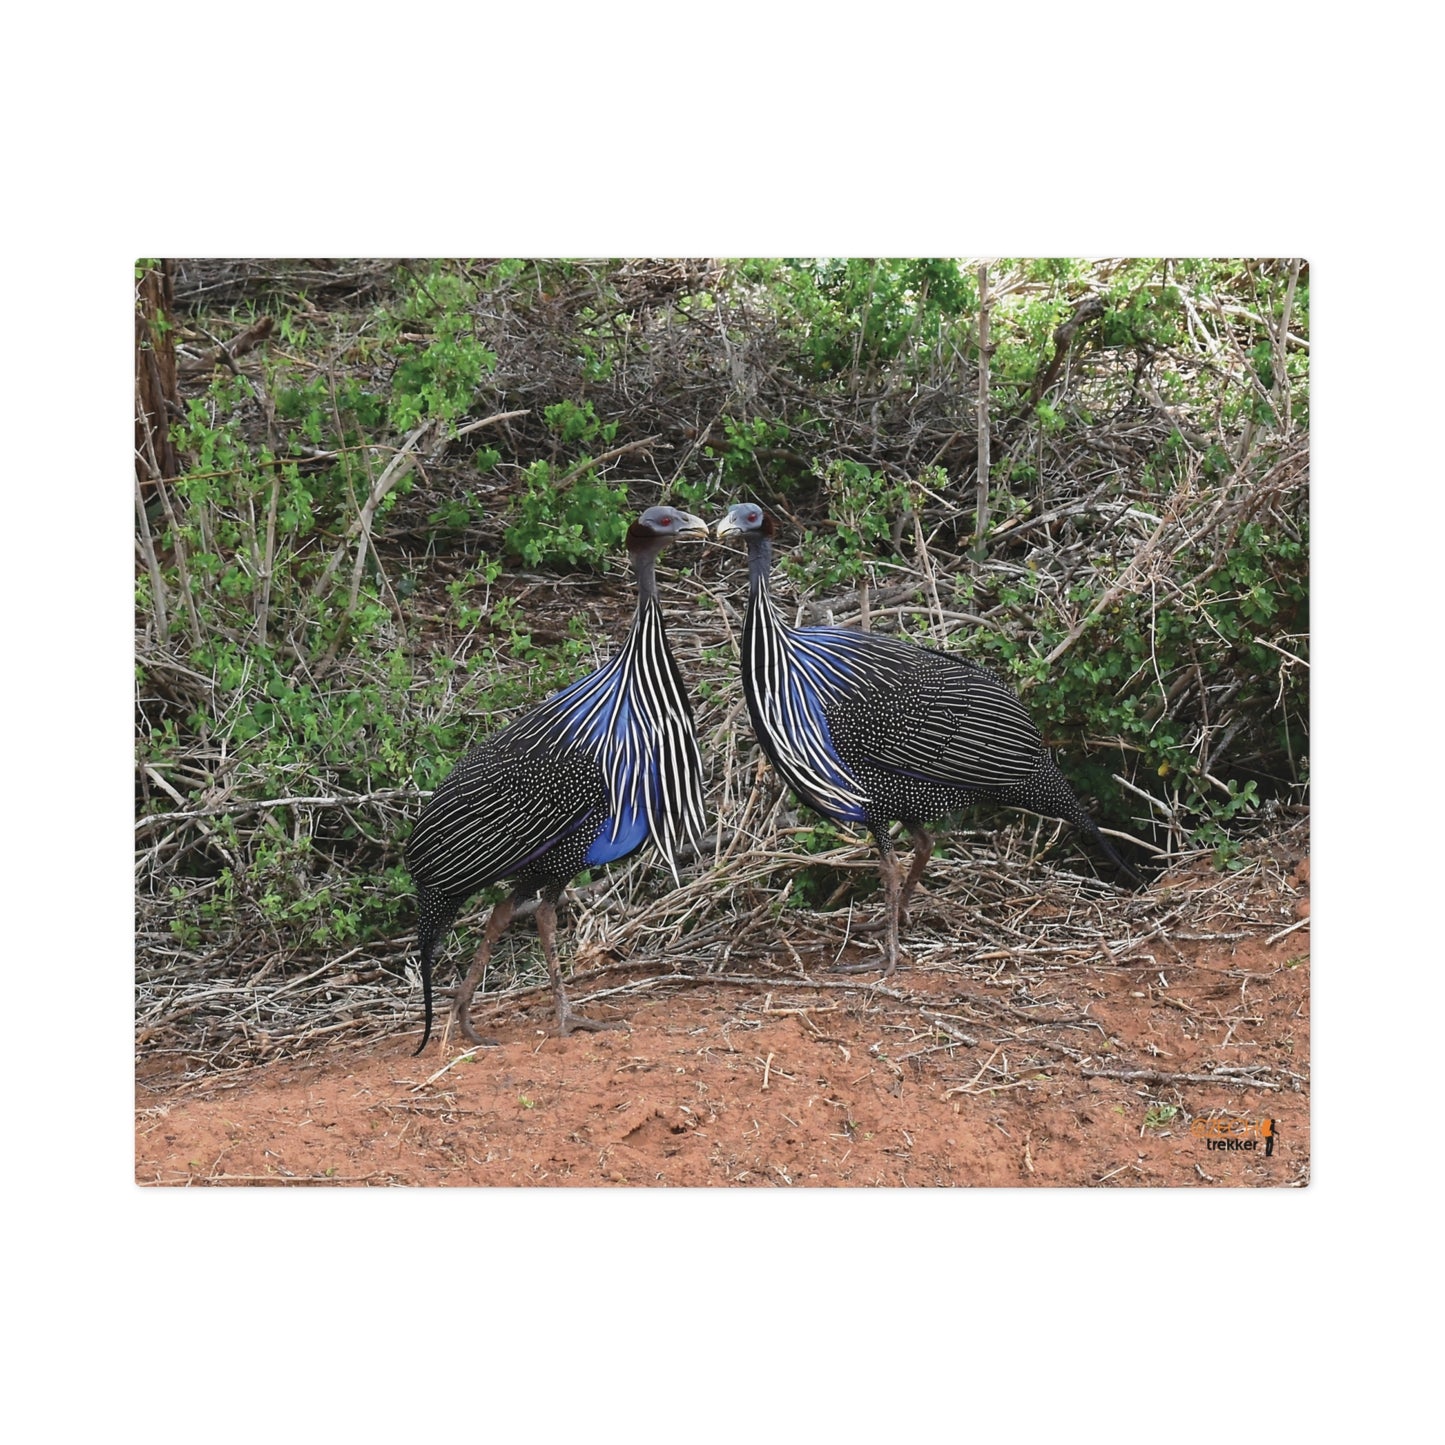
(891, 867)
(566, 1019)
(890, 870)
(922, 852)
(462, 1004)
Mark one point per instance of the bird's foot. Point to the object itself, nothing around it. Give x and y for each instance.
(464, 1027)
(889, 965)
(887, 968)
(569, 1022)
(879, 925)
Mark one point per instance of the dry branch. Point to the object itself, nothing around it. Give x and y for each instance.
(1010, 896)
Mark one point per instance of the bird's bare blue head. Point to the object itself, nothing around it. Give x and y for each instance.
(747, 520)
(651, 532)
(658, 526)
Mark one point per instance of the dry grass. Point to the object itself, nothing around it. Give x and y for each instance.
(1010, 891)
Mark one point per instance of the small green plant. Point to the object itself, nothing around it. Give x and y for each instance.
(578, 423)
(864, 505)
(438, 378)
(575, 519)
(856, 314)
(742, 458)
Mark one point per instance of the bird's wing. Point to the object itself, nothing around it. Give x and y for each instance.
(927, 715)
(497, 811)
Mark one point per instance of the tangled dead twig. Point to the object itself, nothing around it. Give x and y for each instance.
(1036, 921)
(761, 896)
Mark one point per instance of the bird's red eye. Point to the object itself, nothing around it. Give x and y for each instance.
(666, 521)
(752, 516)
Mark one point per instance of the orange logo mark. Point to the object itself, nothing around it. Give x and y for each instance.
(1236, 1133)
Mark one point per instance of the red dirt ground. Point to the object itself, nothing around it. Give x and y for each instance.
(788, 1082)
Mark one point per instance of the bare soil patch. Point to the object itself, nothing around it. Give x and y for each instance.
(964, 1069)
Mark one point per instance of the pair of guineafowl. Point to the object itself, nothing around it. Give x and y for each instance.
(866, 728)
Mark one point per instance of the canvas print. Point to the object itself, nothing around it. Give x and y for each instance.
(727, 722)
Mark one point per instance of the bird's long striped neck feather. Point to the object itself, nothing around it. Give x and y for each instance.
(791, 677)
(632, 714)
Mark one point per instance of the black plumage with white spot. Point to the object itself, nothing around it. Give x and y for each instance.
(872, 729)
(584, 779)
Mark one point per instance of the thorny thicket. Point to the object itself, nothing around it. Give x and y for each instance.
(386, 513)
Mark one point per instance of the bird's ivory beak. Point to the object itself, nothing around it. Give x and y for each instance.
(692, 527)
(726, 527)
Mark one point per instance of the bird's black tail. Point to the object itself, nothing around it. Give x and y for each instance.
(436, 913)
(1047, 791)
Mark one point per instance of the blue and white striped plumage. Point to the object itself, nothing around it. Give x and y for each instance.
(614, 752)
(872, 729)
(585, 778)
(837, 710)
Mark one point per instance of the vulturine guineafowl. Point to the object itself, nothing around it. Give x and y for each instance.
(585, 778)
(870, 729)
